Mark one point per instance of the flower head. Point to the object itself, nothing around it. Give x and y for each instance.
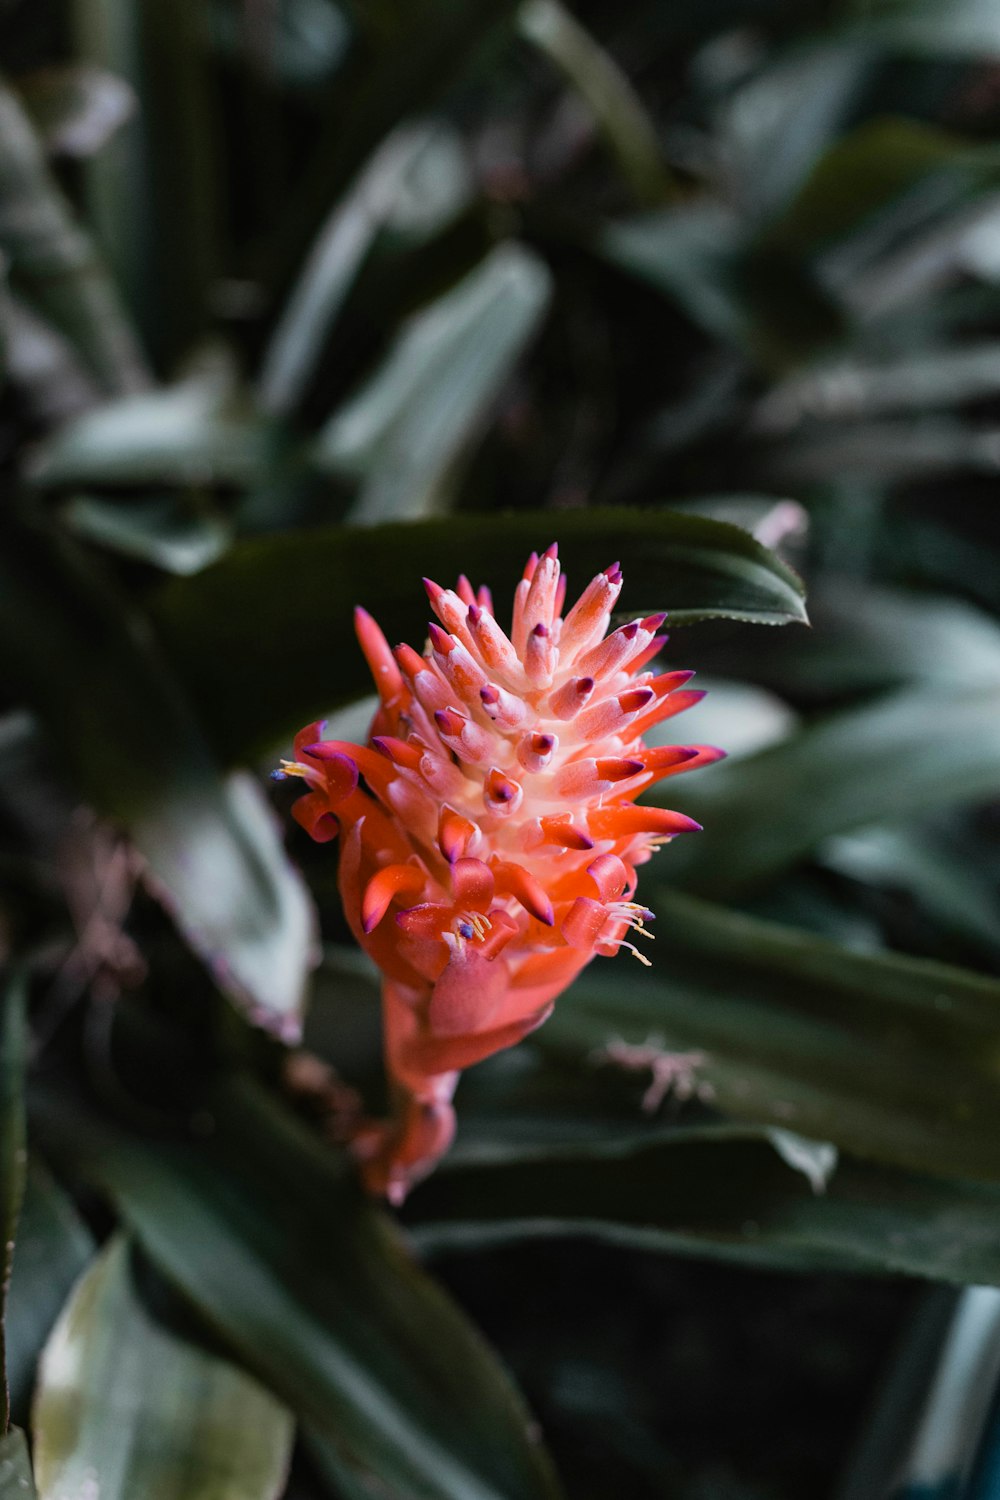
(490, 833)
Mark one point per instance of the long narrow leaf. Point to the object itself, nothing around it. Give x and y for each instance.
(272, 1242)
(124, 732)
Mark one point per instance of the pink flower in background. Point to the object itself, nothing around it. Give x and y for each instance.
(490, 834)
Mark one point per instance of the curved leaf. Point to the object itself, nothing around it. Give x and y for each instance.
(270, 1239)
(12, 1151)
(889, 1058)
(123, 730)
(54, 262)
(720, 1191)
(401, 434)
(903, 755)
(299, 591)
(15, 1467)
(124, 1407)
(53, 1248)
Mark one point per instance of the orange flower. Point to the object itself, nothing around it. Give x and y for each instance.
(490, 832)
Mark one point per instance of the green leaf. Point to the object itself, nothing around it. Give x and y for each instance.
(937, 874)
(403, 431)
(773, 127)
(270, 1239)
(299, 591)
(607, 92)
(333, 263)
(53, 1248)
(878, 179)
(54, 262)
(195, 432)
(719, 1191)
(889, 1058)
(124, 1407)
(76, 109)
(960, 28)
(125, 733)
(903, 755)
(164, 532)
(15, 1467)
(869, 638)
(689, 254)
(12, 1150)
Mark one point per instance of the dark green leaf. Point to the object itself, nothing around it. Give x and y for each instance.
(272, 1242)
(299, 592)
(889, 1058)
(12, 1150)
(152, 193)
(964, 28)
(162, 532)
(125, 1408)
(15, 1467)
(720, 1191)
(76, 109)
(898, 757)
(54, 262)
(403, 431)
(88, 669)
(937, 874)
(887, 174)
(333, 264)
(53, 1248)
(608, 94)
(196, 432)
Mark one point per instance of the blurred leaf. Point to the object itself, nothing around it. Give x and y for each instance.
(886, 174)
(891, 451)
(960, 27)
(271, 1240)
(403, 431)
(889, 1058)
(760, 299)
(851, 389)
(190, 433)
(153, 192)
(42, 364)
(904, 754)
(722, 1191)
(773, 127)
(124, 731)
(429, 46)
(696, 567)
(608, 94)
(15, 1467)
(333, 263)
(934, 1410)
(12, 1148)
(943, 881)
(155, 531)
(53, 261)
(309, 38)
(689, 253)
(868, 637)
(126, 1408)
(53, 1248)
(76, 109)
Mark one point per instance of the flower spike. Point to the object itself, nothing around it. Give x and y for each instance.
(490, 832)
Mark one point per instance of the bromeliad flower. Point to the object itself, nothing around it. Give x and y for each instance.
(490, 833)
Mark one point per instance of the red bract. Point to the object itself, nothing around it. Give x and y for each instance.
(489, 827)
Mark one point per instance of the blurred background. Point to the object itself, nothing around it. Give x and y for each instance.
(278, 275)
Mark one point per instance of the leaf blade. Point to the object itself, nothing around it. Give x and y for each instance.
(125, 1403)
(696, 567)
